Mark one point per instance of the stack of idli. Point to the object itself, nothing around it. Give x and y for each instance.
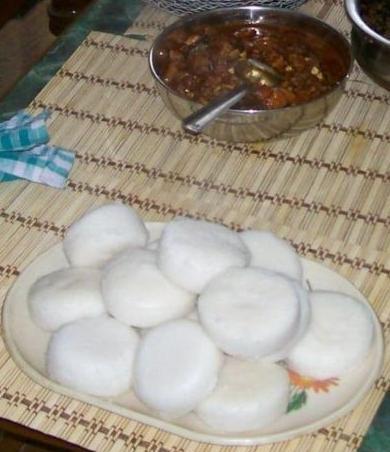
(204, 319)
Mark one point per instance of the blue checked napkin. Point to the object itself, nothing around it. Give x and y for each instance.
(24, 153)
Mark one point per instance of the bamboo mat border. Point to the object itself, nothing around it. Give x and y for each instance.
(89, 426)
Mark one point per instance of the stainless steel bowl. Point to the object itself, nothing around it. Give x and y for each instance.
(257, 125)
(371, 50)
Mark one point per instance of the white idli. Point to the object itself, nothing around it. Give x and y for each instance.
(102, 233)
(93, 356)
(250, 312)
(193, 315)
(153, 245)
(65, 296)
(272, 253)
(192, 252)
(137, 293)
(304, 322)
(338, 338)
(176, 366)
(249, 395)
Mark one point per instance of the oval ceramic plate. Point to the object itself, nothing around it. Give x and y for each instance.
(313, 404)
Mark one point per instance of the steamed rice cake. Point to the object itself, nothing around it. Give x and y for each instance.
(138, 294)
(176, 366)
(192, 252)
(102, 233)
(93, 355)
(249, 395)
(65, 296)
(338, 338)
(250, 312)
(272, 253)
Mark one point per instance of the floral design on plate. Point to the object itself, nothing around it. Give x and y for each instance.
(301, 385)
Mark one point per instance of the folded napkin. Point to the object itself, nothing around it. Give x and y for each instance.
(24, 153)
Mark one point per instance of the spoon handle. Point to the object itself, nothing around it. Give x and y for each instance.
(276, 77)
(197, 121)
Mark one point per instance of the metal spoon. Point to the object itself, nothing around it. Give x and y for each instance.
(250, 71)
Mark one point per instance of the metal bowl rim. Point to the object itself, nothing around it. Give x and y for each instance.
(354, 16)
(219, 11)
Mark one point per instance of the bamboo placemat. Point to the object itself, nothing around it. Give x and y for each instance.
(327, 191)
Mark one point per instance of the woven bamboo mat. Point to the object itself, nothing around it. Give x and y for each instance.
(327, 191)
